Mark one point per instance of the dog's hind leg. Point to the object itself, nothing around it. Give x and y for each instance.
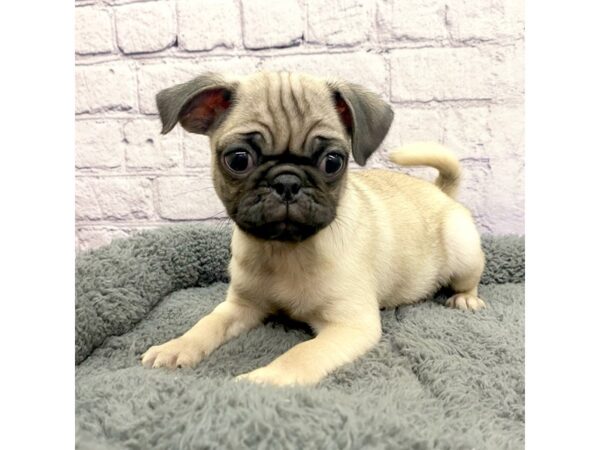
(465, 260)
(466, 297)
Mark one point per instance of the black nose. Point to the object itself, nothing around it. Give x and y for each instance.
(287, 186)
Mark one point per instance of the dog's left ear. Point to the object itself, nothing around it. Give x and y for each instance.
(366, 117)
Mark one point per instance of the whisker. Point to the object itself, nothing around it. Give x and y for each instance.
(220, 213)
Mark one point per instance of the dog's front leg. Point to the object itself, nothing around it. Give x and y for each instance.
(309, 362)
(229, 319)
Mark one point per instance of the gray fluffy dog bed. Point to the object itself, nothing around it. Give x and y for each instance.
(439, 378)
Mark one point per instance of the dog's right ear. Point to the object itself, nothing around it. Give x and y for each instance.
(198, 105)
(366, 117)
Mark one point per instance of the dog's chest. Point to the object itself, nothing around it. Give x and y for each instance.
(295, 283)
(300, 299)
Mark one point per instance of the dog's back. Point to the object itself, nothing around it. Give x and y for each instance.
(415, 233)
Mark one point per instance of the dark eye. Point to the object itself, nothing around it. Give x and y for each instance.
(239, 161)
(331, 163)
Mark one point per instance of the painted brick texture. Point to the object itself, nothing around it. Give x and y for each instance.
(451, 69)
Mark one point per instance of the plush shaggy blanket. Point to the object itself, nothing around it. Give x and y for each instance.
(439, 378)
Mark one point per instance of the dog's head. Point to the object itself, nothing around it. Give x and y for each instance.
(280, 144)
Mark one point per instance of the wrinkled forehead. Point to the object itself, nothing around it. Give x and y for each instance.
(287, 109)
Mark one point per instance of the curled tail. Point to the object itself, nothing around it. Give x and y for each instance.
(433, 155)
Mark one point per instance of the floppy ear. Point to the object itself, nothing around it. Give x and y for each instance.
(366, 117)
(198, 105)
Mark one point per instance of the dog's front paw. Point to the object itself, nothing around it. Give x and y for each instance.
(466, 302)
(180, 352)
(276, 377)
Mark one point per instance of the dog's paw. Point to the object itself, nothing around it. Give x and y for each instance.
(180, 352)
(466, 302)
(276, 377)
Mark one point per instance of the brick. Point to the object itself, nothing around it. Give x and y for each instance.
(471, 132)
(411, 20)
(507, 184)
(154, 77)
(147, 149)
(413, 125)
(506, 205)
(208, 24)
(145, 27)
(196, 150)
(90, 238)
(507, 66)
(86, 203)
(124, 198)
(485, 19)
(122, 2)
(409, 126)
(443, 74)
(466, 131)
(366, 69)
(105, 87)
(98, 144)
(93, 31)
(188, 198)
(506, 125)
(272, 24)
(343, 22)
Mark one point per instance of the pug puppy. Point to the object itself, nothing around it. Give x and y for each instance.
(323, 245)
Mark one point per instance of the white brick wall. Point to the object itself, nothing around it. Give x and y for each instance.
(452, 70)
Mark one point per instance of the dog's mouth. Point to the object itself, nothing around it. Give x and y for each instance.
(285, 222)
(269, 218)
(285, 230)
